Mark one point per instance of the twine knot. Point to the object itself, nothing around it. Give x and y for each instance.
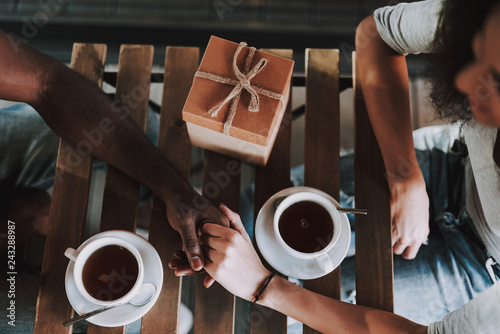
(242, 83)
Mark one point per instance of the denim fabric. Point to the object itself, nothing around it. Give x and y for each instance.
(450, 270)
(28, 149)
(445, 275)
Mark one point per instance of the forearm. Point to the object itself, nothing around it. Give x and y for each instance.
(74, 108)
(80, 112)
(236, 266)
(384, 79)
(332, 316)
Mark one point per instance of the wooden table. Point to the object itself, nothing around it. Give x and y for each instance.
(215, 308)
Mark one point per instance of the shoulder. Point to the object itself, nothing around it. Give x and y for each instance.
(409, 27)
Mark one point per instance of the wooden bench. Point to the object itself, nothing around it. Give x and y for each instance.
(215, 308)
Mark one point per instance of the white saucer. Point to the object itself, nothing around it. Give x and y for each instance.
(124, 314)
(283, 262)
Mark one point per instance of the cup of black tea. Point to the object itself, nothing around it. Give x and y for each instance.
(107, 271)
(307, 226)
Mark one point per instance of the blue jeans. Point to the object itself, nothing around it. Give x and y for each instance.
(450, 270)
(28, 150)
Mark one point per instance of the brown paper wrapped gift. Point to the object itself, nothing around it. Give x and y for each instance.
(237, 100)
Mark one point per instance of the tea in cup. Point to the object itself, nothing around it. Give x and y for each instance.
(107, 271)
(307, 226)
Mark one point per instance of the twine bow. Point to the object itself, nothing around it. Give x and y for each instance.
(242, 83)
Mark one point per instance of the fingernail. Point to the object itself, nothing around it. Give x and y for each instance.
(223, 204)
(211, 283)
(196, 263)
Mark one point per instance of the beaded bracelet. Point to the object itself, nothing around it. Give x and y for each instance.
(259, 295)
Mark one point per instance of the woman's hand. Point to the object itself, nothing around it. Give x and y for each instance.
(231, 259)
(409, 216)
(233, 262)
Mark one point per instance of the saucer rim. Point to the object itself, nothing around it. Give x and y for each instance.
(259, 226)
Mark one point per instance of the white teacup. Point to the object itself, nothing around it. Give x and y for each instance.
(116, 281)
(321, 256)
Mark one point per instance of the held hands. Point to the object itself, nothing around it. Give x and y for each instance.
(409, 215)
(230, 258)
(186, 212)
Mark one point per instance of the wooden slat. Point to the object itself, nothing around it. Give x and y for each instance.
(68, 210)
(268, 181)
(374, 266)
(121, 192)
(322, 143)
(173, 141)
(104, 330)
(214, 307)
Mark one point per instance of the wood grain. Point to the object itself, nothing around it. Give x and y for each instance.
(374, 262)
(68, 210)
(121, 192)
(180, 65)
(322, 143)
(268, 181)
(215, 307)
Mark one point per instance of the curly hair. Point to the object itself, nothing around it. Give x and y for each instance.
(459, 21)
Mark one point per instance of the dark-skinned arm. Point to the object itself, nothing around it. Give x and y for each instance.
(70, 105)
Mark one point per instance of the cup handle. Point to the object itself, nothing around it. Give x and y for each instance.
(71, 253)
(325, 262)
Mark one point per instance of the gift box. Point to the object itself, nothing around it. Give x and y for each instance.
(237, 100)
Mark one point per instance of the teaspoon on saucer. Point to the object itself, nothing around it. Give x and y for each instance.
(144, 296)
(343, 210)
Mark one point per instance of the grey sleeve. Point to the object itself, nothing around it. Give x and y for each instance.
(409, 27)
(480, 315)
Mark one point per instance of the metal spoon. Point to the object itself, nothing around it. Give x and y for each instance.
(144, 296)
(344, 210)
